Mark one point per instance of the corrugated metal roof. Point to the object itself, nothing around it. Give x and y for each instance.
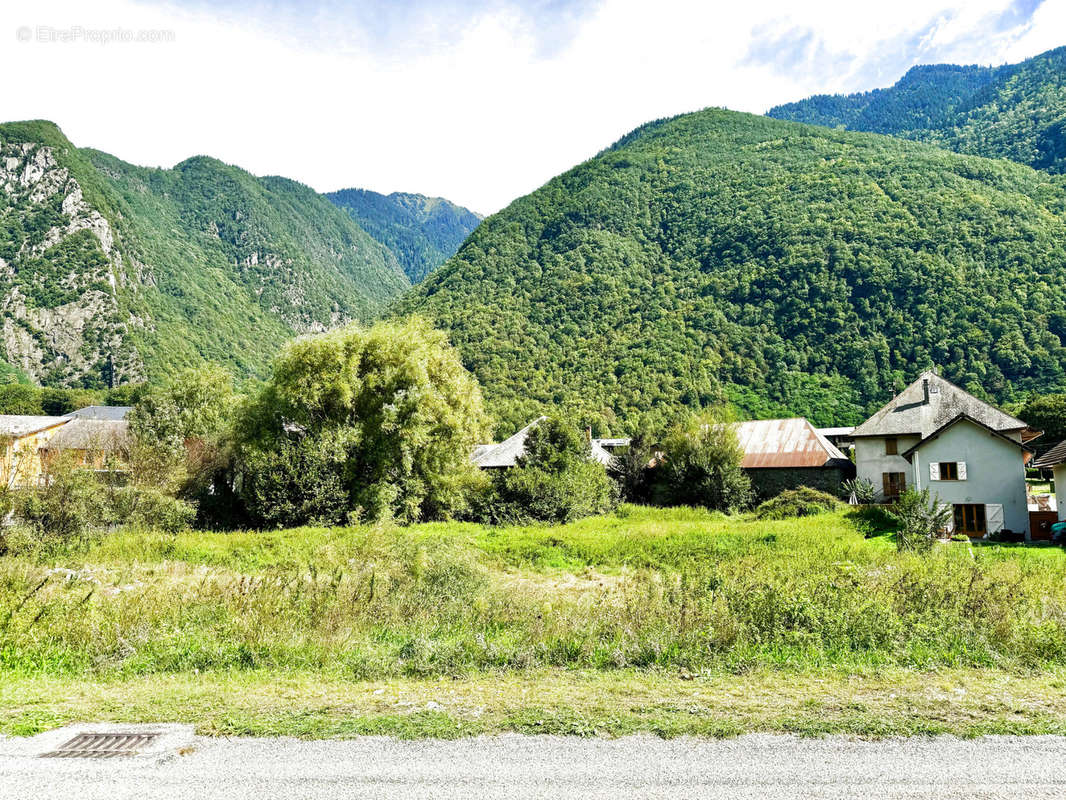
(913, 412)
(784, 443)
(24, 425)
(102, 412)
(91, 434)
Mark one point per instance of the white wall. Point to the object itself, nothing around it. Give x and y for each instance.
(1060, 489)
(995, 471)
(871, 461)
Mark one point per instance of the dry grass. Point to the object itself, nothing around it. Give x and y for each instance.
(892, 702)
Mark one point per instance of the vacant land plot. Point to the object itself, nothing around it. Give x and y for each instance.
(668, 620)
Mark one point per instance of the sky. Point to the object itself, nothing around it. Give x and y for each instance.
(478, 101)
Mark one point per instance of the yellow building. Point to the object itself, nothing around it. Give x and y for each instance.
(22, 439)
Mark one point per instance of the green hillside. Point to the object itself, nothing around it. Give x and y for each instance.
(422, 232)
(1016, 111)
(787, 267)
(121, 272)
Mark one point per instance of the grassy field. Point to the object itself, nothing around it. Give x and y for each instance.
(674, 621)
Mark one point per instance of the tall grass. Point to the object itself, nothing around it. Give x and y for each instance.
(642, 588)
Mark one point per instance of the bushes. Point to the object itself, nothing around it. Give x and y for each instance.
(702, 467)
(921, 518)
(554, 481)
(861, 488)
(801, 502)
(299, 481)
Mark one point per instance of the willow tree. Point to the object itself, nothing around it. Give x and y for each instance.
(361, 424)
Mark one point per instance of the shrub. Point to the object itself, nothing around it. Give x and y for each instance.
(632, 471)
(141, 507)
(801, 502)
(554, 481)
(66, 507)
(921, 519)
(702, 467)
(298, 482)
(862, 488)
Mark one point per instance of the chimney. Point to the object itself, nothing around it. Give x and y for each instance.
(925, 390)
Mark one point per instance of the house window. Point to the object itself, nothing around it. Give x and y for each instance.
(970, 519)
(949, 471)
(894, 484)
(891, 447)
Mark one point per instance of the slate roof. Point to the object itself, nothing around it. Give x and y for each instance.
(91, 434)
(18, 425)
(507, 452)
(913, 412)
(1053, 457)
(784, 443)
(102, 412)
(992, 431)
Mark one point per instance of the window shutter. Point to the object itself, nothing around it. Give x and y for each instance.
(886, 484)
(961, 466)
(934, 471)
(993, 517)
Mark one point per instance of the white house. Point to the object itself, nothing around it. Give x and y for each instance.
(1055, 460)
(968, 453)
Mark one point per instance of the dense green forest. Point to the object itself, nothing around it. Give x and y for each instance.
(788, 268)
(422, 232)
(1016, 111)
(135, 272)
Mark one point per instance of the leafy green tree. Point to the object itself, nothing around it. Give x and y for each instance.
(554, 480)
(57, 401)
(19, 398)
(1046, 413)
(181, 433)
(633, 469)
(390, 410)
(701, 466)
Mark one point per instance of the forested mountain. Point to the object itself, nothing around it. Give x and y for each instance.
(789, 268)
(111, 272)
(422, 232)
(1016, 111)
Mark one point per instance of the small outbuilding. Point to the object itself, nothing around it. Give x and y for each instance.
(782, 454)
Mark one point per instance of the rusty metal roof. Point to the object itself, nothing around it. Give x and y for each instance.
(784, 443)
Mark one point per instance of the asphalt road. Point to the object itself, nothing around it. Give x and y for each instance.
(765, 767)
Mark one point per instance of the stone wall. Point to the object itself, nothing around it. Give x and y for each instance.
(767, 482)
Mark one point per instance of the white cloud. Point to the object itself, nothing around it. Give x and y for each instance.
(478, 115)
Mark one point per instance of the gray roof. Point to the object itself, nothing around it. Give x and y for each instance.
(91, 434)
(507, 452)
(23, 425)
(917, 412)
(962, 418)
(1053, 457)
(102, 412)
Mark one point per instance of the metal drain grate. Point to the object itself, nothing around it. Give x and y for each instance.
(103, 745)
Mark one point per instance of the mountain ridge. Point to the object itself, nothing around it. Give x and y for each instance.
(423, 232)
(787, 268)
(1015, 111)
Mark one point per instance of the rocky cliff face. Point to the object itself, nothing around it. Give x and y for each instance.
(59, 268)
(110, 272)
